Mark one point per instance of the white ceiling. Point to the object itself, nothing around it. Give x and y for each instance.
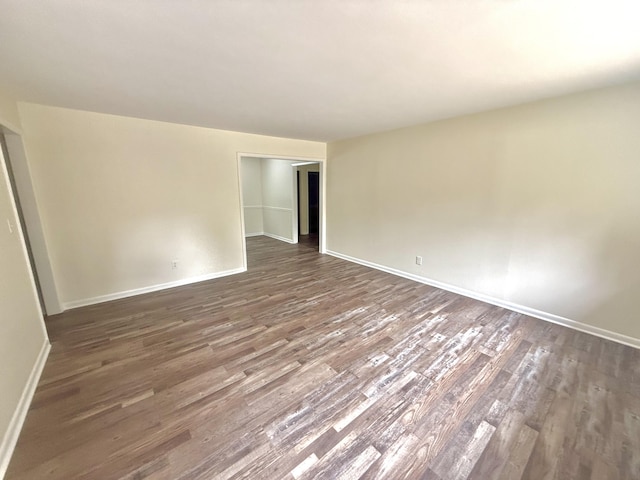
(319, 70)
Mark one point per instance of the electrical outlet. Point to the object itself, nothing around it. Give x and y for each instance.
(418, 260)
(174, 265)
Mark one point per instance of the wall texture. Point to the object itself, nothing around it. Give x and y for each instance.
(23, 339)
(535, 205)
(122, 198)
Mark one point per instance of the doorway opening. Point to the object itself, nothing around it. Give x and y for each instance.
(282, 198)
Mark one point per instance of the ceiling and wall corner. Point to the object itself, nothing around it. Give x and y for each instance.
(314, 70)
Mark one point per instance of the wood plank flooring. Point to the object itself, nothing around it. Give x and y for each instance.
(310, 367)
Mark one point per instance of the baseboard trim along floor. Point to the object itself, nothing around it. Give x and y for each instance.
(532, 312)
(15, 426)
(153, 288)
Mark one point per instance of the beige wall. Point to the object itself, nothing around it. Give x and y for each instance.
(23, 338)
(121, 198)
(536, 205)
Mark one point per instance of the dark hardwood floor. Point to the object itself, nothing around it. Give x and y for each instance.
(312, 240)
(309, 367)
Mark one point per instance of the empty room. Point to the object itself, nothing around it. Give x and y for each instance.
(299, 239)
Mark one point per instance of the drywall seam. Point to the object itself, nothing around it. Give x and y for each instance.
(17, 420)
(153, 288)
(532, 312)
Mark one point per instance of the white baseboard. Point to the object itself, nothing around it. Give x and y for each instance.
(532, 312)
(270, 235)
(278, 237)
(153, 288)
(17, 420)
